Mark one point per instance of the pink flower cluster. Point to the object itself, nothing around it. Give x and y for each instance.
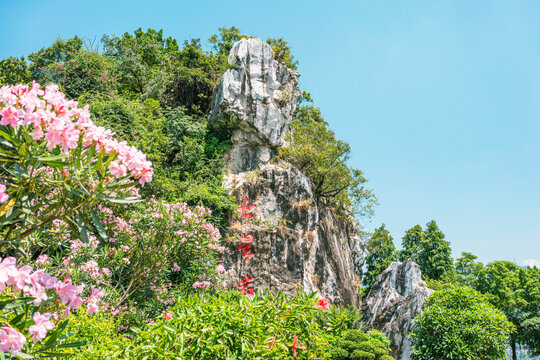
(36, 284)
(42, 324)
(3, 195)
(11, 340)
(62, 123)
(202, 284)
(93, 300)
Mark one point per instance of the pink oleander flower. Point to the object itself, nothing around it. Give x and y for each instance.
(10, 116)
(66, 291)
(220, 269)
(20, 278)
(92, 307)
(41, 325)
(50, 116)
(75, 303)
(43, 260)
(117, 169)
(3, 195)
(11, 340)
(7, 268)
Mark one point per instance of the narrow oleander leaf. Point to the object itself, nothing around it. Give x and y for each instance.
(99, 226)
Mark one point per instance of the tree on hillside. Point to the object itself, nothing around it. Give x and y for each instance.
(14, 71)
(435, 258)
(335, 183)
(412, 244)
(459, 323)
(428, 249)
(380, 254)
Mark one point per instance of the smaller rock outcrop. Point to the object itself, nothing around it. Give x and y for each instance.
(393, 302)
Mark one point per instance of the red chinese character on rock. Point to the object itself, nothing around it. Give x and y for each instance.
(246, 239)
(246, 251)
(247, 210)
(246, 285)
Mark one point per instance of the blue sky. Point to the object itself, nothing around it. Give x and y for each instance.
(440, 100)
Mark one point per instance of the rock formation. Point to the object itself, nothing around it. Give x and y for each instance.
(393, 302)
(295, 242)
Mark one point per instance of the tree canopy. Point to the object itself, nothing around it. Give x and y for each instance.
(324, 161)
(380, 254)
(459, 323)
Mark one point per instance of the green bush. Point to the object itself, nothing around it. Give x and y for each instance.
(339, 318)
(459, 323)
(358, 345)
(101, 333)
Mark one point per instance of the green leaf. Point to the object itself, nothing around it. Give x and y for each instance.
(99, 225)
(9, 138)
(15, 303)
(126, 200)
(24, 356)
(83, 232)
(51, 158)
(54, 336)
(73, 345)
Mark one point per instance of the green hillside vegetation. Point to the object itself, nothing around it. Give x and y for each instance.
(152, 268)
(156, 94)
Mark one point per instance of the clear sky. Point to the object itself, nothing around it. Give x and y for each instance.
(440, 100)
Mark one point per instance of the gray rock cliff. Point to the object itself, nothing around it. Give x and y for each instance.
(295, 242)
(393, 302)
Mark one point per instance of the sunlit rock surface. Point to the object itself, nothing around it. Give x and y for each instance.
(297, 243)
(393, 302)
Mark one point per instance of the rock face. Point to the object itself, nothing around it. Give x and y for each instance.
(295, 241)
(393, 302)
(260, 94)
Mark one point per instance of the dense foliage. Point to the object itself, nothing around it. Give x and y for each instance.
(513, 290)
(73, 208)
(357, 345)
(428, 249)
(380, 254)
(459, 323)
(230, 325)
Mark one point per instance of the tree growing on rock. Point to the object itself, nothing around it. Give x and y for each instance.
(428, 249)
(381, 252)
(335, 183)
(435, 258)
(412, 244)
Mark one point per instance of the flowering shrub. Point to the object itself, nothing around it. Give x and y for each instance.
(44, 133)
(43, 298)
(139, 257)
